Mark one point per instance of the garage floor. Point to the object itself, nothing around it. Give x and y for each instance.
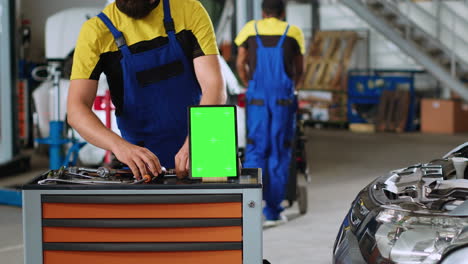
(341, 163)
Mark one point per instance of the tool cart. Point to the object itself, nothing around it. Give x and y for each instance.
(79, 215)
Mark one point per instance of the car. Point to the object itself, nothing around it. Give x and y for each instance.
(417, 214)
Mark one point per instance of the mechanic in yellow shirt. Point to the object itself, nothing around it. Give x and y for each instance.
(159, 57)
(270, 62)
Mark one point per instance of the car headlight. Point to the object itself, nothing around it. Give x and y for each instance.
(406, 237)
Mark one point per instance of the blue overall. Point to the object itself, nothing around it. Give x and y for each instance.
(271, 108)
(159, 85)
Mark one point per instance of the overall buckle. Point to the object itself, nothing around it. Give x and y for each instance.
(169, 25)
(120, 41)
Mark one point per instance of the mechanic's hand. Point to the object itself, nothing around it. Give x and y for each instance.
(182, 161)
(140, 160)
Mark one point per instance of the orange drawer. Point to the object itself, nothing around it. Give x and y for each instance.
(181, 234)
(183, 257)
(188, 210)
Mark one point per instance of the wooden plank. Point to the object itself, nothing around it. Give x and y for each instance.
(328, 59)
(393, 111)
(323, 66)
(402, 111)
(391, 115)
(347, 54)
(326, 65)
(331, 64)
(384, 105)
(362, 128)
(313, 59)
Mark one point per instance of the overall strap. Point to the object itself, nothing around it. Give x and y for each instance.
(168, 21)
(259, 40)
(118, 36)
(283, 37)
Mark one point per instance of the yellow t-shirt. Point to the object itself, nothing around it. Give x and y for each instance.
(194, 31)
(271, 27)
(270, 31)
(96, 51)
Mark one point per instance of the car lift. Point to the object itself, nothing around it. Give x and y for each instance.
(56, 140)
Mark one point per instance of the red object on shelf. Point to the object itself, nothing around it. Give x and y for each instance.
(104, 103)
(241, 100)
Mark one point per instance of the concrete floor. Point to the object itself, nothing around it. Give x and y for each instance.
(341, 164)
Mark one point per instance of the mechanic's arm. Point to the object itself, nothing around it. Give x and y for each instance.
(81, 96)
(210, 78)
(299, 69)
(242, 65)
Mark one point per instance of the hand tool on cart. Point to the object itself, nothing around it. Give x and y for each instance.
(101, 175)
(102, 172)
(85, 182)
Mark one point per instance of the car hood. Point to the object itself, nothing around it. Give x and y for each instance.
(437, 187)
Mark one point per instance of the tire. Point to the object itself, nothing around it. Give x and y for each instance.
(302, 199)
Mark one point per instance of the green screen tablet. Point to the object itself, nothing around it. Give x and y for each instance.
(213, 141)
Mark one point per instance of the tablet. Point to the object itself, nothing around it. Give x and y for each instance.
(213, 141)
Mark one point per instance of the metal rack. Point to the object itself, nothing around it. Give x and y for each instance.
(368, 86)
(10, 160)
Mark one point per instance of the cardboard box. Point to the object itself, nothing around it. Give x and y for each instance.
(444, 116)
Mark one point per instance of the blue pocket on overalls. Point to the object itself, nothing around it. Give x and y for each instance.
(286, 108)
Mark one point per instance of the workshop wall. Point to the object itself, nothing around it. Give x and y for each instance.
(383, 53)
(37, 11)
(449, 20)
(333, 16)
(299, 14)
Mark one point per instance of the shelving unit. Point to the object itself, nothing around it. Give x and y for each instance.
(323, 91)
(366, 88)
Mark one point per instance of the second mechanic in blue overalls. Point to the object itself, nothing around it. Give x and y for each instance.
(270, 62)
(159, 57)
